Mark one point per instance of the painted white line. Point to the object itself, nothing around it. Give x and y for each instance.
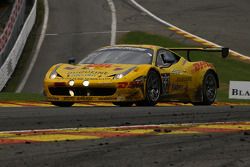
(183, 31)
(114, 22)
(38, 47)
(85, 33)
(51, 34)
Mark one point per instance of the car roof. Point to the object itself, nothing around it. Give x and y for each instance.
(154, 47)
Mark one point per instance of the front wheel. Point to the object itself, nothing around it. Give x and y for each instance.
(62, 104)
(152, 90)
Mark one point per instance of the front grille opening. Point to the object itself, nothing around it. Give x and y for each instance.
(82, 91)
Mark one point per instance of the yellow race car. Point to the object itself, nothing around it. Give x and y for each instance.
(134, 74)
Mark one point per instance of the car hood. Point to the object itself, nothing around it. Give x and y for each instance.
(92, 71)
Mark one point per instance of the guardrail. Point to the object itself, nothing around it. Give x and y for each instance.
(10, 62)
(12, 29)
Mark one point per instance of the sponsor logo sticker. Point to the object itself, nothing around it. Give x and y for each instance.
(239, 90)
(200, 66)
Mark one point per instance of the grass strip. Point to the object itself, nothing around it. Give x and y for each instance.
(7, 96)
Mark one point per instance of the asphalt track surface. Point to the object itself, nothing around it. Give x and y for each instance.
(67, 35)
(225, 22)
(217, 148)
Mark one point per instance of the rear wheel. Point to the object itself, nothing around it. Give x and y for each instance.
(63, 104)
(123, 104)
(153, 90)
(209, 89)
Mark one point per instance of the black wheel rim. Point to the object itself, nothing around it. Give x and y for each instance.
(153, 88)
(210, 87)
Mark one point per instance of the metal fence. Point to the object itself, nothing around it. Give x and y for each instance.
(12, 29)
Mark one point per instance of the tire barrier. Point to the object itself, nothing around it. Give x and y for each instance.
(9, 62)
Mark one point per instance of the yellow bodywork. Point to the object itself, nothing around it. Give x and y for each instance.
(184, 80)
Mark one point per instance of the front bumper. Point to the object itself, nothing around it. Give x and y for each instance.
(96, 91)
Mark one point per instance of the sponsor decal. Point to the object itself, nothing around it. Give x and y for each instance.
(68, 98)
(165, 82)
(118, 69)
(239, 90)
(52, 98)
(87, 73)
(107, 98)
(92, 78)
(183, 79)
(176, 72)
(100, 65)
(200, 65)
(69, 68)
(177, 87)
(84, 98)
(121, 98)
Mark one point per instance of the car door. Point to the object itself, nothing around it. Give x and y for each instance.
(173, 72)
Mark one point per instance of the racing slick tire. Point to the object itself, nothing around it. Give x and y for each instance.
(123, 104)
(209, 89)
(62, 104)
(152, 89)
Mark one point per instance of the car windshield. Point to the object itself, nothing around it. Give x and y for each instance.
(119, 55)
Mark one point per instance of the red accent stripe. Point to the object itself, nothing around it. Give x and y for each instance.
(13, 141)
(98, 134)
(210, 130)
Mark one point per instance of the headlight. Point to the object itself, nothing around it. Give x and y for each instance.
(118, 76)
(54, 74)
(121, 75)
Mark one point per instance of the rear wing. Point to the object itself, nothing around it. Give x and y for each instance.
(224, 51)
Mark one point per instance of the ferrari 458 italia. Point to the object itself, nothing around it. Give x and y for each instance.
(134, 74)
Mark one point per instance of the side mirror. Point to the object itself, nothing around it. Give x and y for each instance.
(72, 60)
(225, 52)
